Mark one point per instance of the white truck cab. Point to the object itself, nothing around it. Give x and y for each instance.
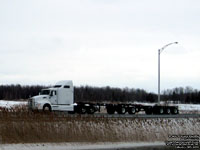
(58, 98)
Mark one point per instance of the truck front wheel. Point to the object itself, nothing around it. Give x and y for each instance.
(46, 108)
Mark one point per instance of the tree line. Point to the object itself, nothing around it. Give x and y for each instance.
(183, 95)
(99, 94)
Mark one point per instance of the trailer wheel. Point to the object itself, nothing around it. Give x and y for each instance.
(132, 110)
(121, 110)
(148, 111)
(168, 111)
(161, 110)
(46, 108)
(110, 111)
(91, 110)
(175, 111)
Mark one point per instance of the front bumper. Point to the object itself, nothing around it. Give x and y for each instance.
(32, 105)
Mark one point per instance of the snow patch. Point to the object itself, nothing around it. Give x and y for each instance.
(10, 104)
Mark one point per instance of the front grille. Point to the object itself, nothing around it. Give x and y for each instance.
(30, 103)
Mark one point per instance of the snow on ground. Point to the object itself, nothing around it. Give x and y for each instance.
(9, 104)
(76, 146)
(189, 107)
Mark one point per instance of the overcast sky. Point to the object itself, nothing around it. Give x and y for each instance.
(100, 42)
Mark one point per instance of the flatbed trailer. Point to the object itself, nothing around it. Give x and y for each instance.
(123, 108)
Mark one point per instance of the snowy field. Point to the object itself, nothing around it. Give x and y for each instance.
(10, 104)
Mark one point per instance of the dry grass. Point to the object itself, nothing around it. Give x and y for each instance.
(21, 126)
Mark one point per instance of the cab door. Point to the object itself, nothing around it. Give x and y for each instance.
(53, 97)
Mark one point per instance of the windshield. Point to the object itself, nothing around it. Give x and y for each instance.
(45, 92)
(57, 86)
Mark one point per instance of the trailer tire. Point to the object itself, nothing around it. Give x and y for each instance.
(110, 109)
(132, 110)
(148, 111)
(121, 110)
(175, 111)
(168, 111)
(47, 108)
(161, 110)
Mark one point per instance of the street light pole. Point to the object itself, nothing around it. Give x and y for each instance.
(159, 76)
(159, 52)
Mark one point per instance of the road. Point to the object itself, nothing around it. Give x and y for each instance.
(87, 146)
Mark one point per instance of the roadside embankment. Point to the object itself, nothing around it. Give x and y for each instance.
(37, 128)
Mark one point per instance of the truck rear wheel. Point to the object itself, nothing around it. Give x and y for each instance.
(91, 110)
(83, 110)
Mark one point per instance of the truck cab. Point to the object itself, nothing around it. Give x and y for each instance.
(60, 97)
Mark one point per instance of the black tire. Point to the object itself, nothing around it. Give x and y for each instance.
(91, 110)
(148, 111)
(168, 111)
(83, 110)
(47, 108)
(132, 110)
(110, 111)
(175, 111)
(121, 110)
(161, 110)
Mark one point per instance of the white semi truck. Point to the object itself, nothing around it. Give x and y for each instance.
(61, 98)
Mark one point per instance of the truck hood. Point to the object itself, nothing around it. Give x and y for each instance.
(40, 97)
